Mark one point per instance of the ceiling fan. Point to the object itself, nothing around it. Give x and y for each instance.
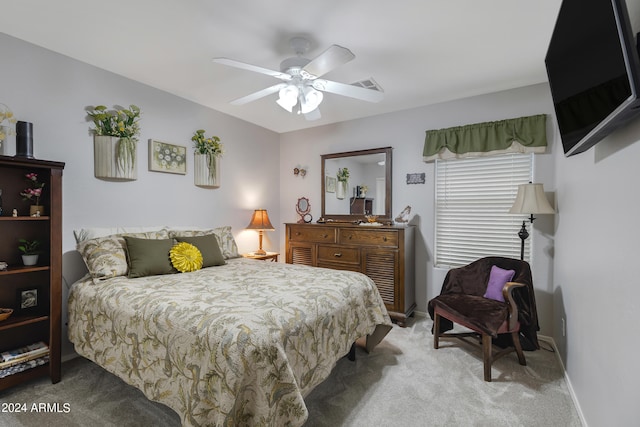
(301, 89)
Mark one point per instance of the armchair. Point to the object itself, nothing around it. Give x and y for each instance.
(470, 296)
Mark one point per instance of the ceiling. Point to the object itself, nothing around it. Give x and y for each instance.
(420, 52)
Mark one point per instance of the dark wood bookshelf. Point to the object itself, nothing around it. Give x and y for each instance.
(41, 323)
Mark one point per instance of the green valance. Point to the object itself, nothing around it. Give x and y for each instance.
(520, 135)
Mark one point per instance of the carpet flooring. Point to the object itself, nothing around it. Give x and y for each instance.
(404, 381)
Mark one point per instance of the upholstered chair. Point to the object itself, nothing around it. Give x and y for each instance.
(494, 298)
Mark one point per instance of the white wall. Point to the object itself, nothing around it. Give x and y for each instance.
(595, 279)
(405, 131)
(52, 91)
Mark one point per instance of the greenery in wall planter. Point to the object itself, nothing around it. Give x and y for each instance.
(343, 182)
(124, 125)
(7, 121)
(212, 148)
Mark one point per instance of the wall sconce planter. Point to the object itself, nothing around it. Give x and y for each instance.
(206, 170)
(115, 158)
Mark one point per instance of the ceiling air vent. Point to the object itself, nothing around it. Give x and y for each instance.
(368, 84)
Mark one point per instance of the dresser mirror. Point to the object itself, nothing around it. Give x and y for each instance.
(367, 189)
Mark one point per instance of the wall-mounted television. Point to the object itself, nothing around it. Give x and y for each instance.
(593, 70)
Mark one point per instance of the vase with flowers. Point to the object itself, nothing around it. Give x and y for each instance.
(343, 183)
(115, 142)
(206, 159)
(6, 121)
(33, 193)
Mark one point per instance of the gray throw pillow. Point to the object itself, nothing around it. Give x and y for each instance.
(209, 248)
(149, 257)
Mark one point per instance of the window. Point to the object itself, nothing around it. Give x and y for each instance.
(473, 198)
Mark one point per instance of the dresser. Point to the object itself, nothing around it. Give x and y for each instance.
(384, 253)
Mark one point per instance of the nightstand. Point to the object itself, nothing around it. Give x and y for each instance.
(273, 256)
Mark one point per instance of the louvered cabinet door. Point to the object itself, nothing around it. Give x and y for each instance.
(382, 266)
(301, 253)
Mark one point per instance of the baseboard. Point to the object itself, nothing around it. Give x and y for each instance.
(69, 356)
(551, 341)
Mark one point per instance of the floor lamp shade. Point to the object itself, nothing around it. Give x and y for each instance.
(260, 221)
(530, 200)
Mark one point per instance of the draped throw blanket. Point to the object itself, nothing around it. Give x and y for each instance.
(520, 135)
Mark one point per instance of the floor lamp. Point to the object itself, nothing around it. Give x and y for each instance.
(530, 200)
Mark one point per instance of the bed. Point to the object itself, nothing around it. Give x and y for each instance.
(235, 344)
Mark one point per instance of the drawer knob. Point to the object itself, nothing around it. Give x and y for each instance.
(384, 239)
(297, 233)
(337, 254)
(325, 236)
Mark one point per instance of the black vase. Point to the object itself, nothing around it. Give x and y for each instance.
(24, 140)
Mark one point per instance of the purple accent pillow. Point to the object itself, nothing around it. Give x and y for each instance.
(497, 279)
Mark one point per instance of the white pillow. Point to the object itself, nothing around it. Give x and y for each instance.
(225, 238)
(83, 234)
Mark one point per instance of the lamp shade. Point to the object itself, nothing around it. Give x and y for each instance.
(531, 200)
(260, 221)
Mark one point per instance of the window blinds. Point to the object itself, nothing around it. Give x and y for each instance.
(473, 198)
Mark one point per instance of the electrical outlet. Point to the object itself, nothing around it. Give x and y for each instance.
(564, 328)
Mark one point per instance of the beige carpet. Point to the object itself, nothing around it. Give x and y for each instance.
(404, 381)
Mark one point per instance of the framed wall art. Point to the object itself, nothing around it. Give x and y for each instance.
(165, 157)
(330, 184)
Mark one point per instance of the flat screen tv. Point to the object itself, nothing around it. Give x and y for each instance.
(592, 65)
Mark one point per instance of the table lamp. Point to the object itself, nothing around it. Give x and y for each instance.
(260, 221)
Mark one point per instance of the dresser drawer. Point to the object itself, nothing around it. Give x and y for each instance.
(339, 254)
(312, 234)
(353, 236)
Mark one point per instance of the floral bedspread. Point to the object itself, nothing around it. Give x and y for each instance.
(239, 344)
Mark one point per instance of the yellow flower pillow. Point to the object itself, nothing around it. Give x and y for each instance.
(185, 257)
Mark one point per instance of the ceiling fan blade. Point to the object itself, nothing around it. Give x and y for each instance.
(331, 58)
(351, 91)
(313, 115)
(259, 94)
(254, 68)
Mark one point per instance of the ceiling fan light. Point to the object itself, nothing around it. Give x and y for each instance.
(289, 94)
(311, 101)
(288, 97)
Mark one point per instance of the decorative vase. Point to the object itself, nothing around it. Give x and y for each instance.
(341, 189)
(5, 131)
(30, 259)
(36, 210)
(206, 170)
(115, 158)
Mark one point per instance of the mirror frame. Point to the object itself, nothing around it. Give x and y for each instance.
(388, 184)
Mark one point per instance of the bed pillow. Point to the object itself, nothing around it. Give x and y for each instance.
(225, 238)
(83, 234)
(106, 257)
(148, 257)
(185, 257)
(497, 279)
(209, 248)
